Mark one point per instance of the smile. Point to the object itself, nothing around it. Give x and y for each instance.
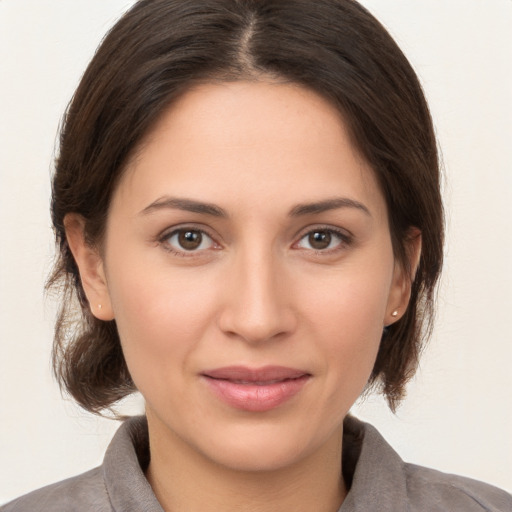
(255, 390)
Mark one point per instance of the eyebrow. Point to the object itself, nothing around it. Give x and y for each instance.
(188, 205)
(326, 205)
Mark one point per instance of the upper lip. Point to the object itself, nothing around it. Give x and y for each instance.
(266, 374)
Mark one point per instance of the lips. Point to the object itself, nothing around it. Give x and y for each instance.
(255, 389)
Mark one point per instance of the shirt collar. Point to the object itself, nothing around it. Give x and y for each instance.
(124, 464)
(372, 468)
(378, 475)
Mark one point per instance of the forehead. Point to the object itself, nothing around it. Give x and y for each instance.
(249, 142)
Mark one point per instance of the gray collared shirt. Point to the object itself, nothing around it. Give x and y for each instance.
(379, 481)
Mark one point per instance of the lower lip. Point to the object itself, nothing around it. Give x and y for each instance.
(256, 397)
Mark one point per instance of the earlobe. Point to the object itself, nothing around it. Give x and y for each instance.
(91, 267)
(403, 277)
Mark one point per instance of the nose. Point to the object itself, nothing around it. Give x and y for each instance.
(257, 305)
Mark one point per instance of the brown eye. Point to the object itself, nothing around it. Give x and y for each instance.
(190, 240)
(324, 240)
(319, 239)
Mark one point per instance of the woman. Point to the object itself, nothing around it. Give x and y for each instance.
(248, 211)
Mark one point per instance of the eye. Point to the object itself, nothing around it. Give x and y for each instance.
(188, 240)
(323, 240)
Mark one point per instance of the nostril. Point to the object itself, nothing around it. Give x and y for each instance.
(256, 305)
(260, 328)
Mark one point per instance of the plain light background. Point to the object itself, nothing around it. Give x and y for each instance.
(458, 416)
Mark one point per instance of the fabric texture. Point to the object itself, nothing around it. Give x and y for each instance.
(378, 478)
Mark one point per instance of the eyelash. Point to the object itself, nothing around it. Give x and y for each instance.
(344, 238)
(164, 241)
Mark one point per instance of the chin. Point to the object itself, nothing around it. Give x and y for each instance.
(265, 448)
(259, 457)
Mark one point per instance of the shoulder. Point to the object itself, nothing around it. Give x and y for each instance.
(428, 489)
(81, 493)
(118, 484)
(379, 477)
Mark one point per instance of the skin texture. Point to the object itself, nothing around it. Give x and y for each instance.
(258, 290)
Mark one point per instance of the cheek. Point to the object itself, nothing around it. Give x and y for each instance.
(351, 301)
(346, 316)
(161, 317)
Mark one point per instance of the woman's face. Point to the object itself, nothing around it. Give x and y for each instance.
(249, 269)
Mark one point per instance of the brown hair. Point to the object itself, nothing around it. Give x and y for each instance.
(154, 53)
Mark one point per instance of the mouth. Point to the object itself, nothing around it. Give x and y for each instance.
(255, 389)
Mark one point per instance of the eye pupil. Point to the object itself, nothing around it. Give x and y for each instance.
(320, 239)
(190, 240)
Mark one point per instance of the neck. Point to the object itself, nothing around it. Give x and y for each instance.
(184, 480)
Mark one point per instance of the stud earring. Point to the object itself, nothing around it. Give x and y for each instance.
(99, 306)
(394, 314)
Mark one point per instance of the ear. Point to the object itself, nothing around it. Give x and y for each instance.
(91, 267)
(403, 277)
